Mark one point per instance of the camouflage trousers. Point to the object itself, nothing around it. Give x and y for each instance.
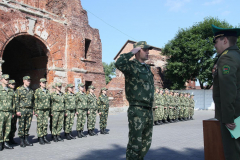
(24, 122)
(42, 122)
(13, 127)
(176, 115)
(166, 113)
(171, 112)
(155, 114)
(159, 113)
(91, 119)
(57, 122)
(191, 111)
(5, 125)
(140, 124)
(185, 112)
(103, 119)
(81, 119)
(69, 119)
(181, 109)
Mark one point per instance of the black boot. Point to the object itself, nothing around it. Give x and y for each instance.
(185, 119)
(106, 132)
(90, 132)
(71, 136)
(156, 123)
(22, 144)
(160, 121)
(1, 146)
(94, 133)
(191, 118)
(58, 137)
(83, 135)
(165, 121)
(45, 140)
(55, 138)
(11, 140)
(41, 141)
(102, 131)
(68, 136)
(79, 134)
(27, 142)
(7, 146)
(171, 121)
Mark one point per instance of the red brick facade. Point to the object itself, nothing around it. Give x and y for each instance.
(49, 38)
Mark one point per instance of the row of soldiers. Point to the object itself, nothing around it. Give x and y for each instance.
(61, 107)
(172, 106)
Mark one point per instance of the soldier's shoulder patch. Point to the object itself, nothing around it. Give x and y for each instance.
(226, 69)
(225, 52)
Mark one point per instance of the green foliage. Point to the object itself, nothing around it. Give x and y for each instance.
(109, 70)
(192, 54)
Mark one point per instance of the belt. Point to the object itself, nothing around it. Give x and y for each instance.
(144, 107)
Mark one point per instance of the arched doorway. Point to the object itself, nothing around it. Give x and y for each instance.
(25, 55)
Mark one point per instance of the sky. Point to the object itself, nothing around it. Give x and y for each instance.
(153, 21)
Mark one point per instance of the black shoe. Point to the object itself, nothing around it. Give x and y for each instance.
(79, 134)
(83, 135)
(41, 141)
(27, 142)
(102, 131)
(156, 123)
(71, 136)
(22, 144)
(166, 121)
(90, 132)
(45, 140)
(94, 133)
(106, 132)
(181, 119)
(191, 118)
(55, 138)
(11, 140)
(58, 137)
(1, 146)
(68, 136)
(185, 119)
(7, 146)
(171, 121)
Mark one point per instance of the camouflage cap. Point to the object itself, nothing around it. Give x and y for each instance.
(192, 94)
(142, 44)
(166, 89)
(81, 85)
(91, 87)
(70, 85)
(12, 81)
(5, 76)
(161, 89)
(104, 89)
(26, 78)
(43, 80)
(58, 84)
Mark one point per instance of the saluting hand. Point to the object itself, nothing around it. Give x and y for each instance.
(135, 50)
(231, 126)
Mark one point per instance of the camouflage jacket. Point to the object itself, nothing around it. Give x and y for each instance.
(103, 103)
(162, 100)
(7, 100)
(171, 101)
(24, 98)
(176, 101)
(57, 102)
(139, 83)
(81, 99)
(92, 101)
(70, 101)
(167, 100)
(186, 102)
(42, 99)
(192, 102)
(156, 101)
(181, 102)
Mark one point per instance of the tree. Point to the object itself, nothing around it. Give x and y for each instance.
(192, 54)
(109, 70)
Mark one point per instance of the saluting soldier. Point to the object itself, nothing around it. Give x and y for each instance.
(82, 109)
(103, 108)
(92, 110)
(191, 109)
(226, 90)
(57, 112)
(24, 106)
(70, 110)
(6, 112)
(42, 108)
(12, 85)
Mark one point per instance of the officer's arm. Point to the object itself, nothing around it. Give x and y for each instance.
(227, 70)
(123, 63)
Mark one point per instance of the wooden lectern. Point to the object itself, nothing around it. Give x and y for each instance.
(213, 147)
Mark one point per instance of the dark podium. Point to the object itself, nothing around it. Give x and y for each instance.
(213, 147)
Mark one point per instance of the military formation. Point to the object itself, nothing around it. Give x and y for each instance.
(60, 107)
(172, 106)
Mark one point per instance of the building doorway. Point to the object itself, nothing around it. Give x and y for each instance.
(25, 55)
(87, 84)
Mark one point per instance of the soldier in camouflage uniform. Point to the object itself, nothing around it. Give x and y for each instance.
(181, 106)
(11, 85)
(189, 105)
(24, 106)
(6, 112)
(177, 103)
(156, 105)
(161, 107)
(41, 109)
(186, 104)
(139, 88)
(70, 110)
(171, 106)
(57, 112)
(192, 104)
(103, 108)
(92, 111)
(166, 105)
(82, 109)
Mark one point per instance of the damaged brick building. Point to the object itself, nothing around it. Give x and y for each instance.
(52, 39)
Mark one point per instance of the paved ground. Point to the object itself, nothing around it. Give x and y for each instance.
(177, 141)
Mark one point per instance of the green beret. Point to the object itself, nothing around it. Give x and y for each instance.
(91, 87)
(12, 81)
(70, 85)
(26, 78)
(58, 84)
(142, 44)
(5, 76)
(43, 80)
(81, 85)
(104, 89)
